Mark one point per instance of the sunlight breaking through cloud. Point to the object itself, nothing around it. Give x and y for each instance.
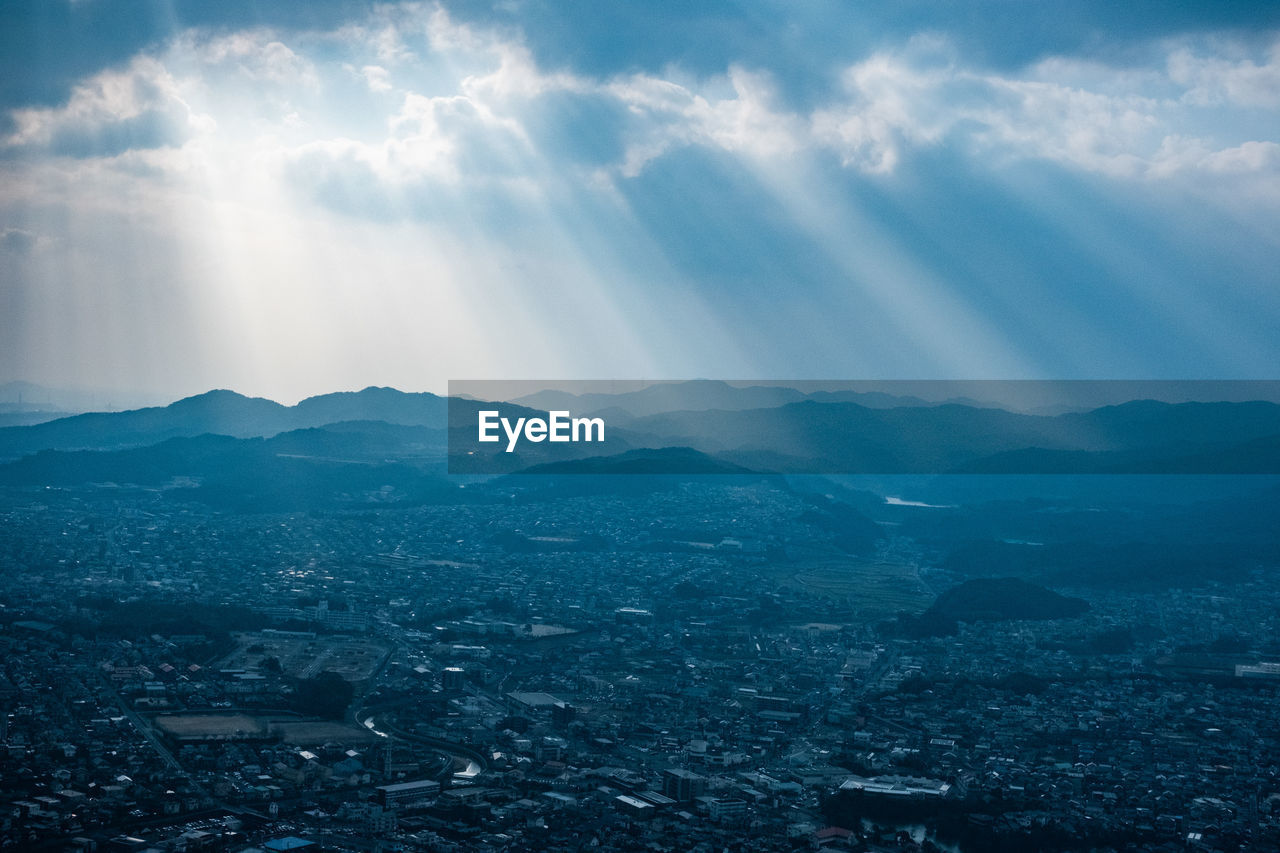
(306, 191)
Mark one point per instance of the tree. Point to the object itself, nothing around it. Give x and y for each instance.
(327, 695)
(517, 724)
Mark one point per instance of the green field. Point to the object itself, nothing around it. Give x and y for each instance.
(291, 730)
(873, 591)
(210, 725)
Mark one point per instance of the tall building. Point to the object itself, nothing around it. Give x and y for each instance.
(682, 785)
(562, 714)
(452, 678)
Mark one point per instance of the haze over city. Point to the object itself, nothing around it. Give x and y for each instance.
(722, 427)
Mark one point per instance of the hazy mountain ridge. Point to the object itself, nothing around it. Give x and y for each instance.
(697, 395)
(303, 469)
(1031, 397)
(1143, 436)
(221, 412)
(802, 436)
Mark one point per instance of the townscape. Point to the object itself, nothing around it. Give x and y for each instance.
(524, 426)
(707, 664)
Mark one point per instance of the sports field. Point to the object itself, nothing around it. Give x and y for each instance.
(210, 725)
(291, 730)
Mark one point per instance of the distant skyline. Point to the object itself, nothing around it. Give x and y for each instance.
(287, 199)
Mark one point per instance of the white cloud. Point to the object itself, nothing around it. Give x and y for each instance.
(377, 78)
(1247, 157)
(1123, 123)
(257, 55)
(888, 104)
(1210, 80)
(109, 98)
(472, 97)
(1089, 130)
(748, 123)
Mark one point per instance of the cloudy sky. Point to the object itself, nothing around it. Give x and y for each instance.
(288, 199)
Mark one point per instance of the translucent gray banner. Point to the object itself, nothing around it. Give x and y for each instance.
(864, 427)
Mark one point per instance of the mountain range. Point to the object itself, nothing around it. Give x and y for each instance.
(808, 435)
(700, 395)
(221, 412)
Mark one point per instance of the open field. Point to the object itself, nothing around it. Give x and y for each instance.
(355, 659)
(291, 730)
(317, 732)
(872, 590)
(210, 725)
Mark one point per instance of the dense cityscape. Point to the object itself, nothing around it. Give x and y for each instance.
(305, 548)
(699, 665)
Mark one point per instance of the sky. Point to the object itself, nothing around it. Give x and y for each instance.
(288, 199)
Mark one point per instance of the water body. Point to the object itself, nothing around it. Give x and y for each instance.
(465, 769)
(470, 770)
(901, 502)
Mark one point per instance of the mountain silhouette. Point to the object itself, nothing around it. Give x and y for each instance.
(804, 436)
(221, 412)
